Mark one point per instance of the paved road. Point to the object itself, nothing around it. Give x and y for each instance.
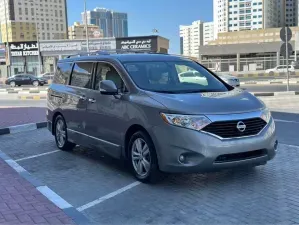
(23, 103)
(104, 190)
(270, 87)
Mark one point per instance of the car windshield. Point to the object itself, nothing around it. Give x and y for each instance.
(173, 77)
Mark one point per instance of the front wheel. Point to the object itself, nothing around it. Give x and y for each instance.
(61, 137)
(12, 84)
(35, 83)
(143, 158)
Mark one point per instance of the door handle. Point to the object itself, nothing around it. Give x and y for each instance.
(91, 100)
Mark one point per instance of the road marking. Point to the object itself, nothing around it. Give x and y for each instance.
(287, 145)
(35, 156)
(55, 198)
(108, 196)
(285, 121)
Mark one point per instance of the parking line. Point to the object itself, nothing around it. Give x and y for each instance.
(285, 121)
(35, 156)
(108, 196)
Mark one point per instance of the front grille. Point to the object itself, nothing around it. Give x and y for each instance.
(240, 156)
(228, 129)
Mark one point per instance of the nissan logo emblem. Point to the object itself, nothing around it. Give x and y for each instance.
(241, 126)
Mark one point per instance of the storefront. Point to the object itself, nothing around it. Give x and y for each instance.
(27, 56)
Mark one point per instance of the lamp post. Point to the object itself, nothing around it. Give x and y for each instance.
(7, 44)
(37, 38)
(86, 27)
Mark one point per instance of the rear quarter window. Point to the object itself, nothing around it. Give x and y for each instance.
(63, 73)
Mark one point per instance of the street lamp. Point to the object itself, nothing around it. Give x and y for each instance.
(37, 38)
(86, 27)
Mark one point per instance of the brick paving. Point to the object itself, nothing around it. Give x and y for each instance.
(21, 115)
(21, 203)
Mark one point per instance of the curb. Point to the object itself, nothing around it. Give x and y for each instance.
(267, 82)
(23, 92)
(22, 128)
(66, 207)
(35, 97)
(272, 94)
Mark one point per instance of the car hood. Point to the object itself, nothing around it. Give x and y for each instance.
(235, 101)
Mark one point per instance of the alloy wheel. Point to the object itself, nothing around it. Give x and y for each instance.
(60, 133)
(35, 83)
(12, 84)
(141, 157)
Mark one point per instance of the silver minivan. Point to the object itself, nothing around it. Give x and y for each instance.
(140, 108)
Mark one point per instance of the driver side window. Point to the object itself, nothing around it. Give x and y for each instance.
(105, 71)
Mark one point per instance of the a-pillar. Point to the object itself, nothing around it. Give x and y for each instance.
(238, 62)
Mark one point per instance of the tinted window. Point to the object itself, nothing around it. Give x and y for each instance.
(107, 72)
(62, 73)
(81, 76)
(165, 77)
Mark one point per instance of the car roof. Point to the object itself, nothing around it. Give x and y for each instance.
(140, 57)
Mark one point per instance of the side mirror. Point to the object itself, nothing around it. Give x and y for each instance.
(108, 87)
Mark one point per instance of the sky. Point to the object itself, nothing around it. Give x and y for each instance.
(145, 15)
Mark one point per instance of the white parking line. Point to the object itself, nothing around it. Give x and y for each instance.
(35, 156)
(285, 121)
(108, 196)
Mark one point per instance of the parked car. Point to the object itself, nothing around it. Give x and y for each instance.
(25, 79)
(47, 76)
(229, 79)
(193, 77)
(280, 69)
(134, 107)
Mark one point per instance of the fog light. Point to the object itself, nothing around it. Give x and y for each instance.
(182, 158)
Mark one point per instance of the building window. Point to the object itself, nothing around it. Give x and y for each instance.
(26, 11)
(20, 11)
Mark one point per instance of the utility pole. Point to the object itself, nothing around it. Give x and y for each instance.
(86, 26)
(287, 61)
(7, 44)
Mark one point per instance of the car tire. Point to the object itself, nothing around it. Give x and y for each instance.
(60, 134)
(271, 73)
(12, 84)
(41, 85)
(143, 158)
(19, 85)
(35, 83)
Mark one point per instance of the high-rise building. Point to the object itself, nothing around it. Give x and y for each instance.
(288, 13)
(192, 36)
(113, 24)
(240, 15)
(208, 32)
(78, 31)
(23, 17)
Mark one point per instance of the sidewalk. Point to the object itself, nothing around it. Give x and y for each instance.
(21, 203)
(21, 115)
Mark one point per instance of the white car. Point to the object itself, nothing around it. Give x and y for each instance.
(229, 79)
(193, 77)
(280, 69)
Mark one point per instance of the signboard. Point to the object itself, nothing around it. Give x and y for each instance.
(100, 44)
(60, 46)
(297, 41)
(24, 49)
(283, 32)
(286, 49)
(137, 43)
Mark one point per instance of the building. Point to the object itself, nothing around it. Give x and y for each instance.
(78, 31)
(240, 15)
(253, 36)
(113, 24)
(22, 18)
(208, 32)
(288, 13)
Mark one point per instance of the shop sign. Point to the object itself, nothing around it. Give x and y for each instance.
(100, 44)
(24, 49)
(60, 46)
(138, 43)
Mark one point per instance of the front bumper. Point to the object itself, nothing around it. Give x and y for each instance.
(202, 151)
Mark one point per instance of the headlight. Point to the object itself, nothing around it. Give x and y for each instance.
(186, 121)
(266, 115)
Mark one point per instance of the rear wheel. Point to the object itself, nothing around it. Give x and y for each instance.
(271, 73)
(12, 84)
(61, 137)
(143, 158)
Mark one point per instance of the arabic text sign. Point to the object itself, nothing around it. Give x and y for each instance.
(24, 49)
(101, 44)
(60, 46)
(138, 43)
